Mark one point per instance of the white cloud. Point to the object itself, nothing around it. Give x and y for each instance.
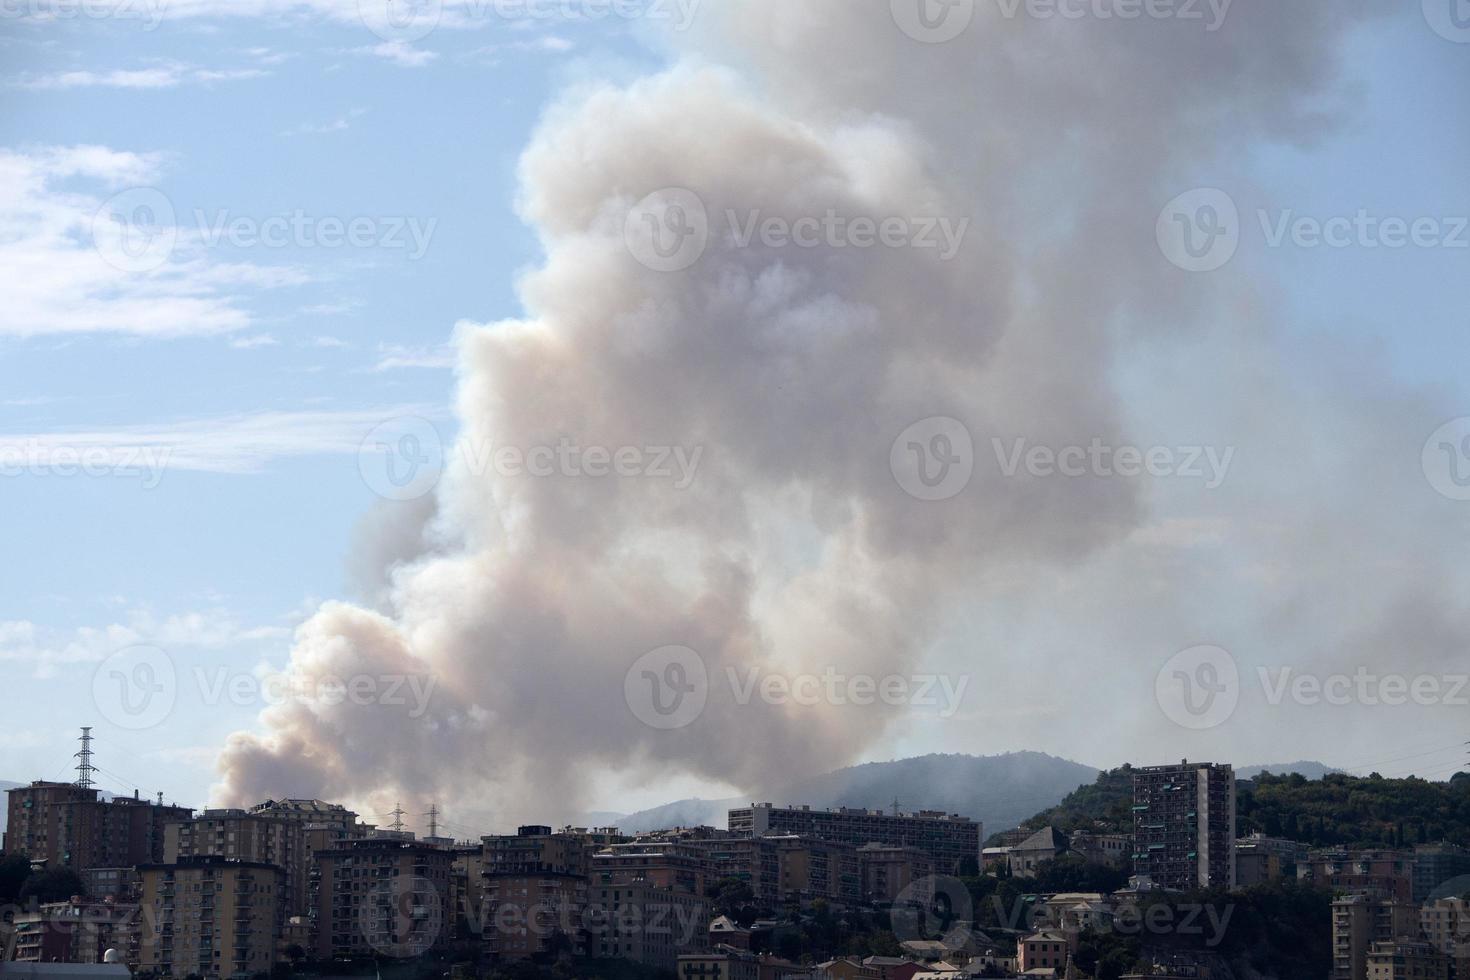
(55, 282)
(337, 125)
(157, 77)
(245, 443)
(259, 340)
(49, 650)
(399, 53)
(392, 357)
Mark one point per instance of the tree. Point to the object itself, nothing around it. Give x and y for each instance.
(14, 870)
(51, 885)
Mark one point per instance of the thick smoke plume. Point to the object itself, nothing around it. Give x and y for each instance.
(792, 371)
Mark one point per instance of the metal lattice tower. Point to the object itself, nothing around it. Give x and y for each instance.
(433, 816)
(84, 763)
(397, 814)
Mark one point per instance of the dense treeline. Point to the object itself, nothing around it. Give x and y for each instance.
(1352, 811)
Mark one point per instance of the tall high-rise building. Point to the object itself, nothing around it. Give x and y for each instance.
(1436, 865)
(1359, 921)
(383, 896)
(536, 891)
(209, 916)
(70, 826)
(947, 838)
(1184, 825)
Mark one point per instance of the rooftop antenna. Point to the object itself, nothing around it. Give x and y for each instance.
(397, 814)
(85, 767)
(433, 816)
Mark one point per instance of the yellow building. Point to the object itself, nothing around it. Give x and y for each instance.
(209, 916)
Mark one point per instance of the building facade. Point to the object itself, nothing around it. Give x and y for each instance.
(1359, 921)
(1184, 825)
(69, 826)
(382, 896)
(947, 838)
(208, 916)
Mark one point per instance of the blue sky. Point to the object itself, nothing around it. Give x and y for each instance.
(274, 362)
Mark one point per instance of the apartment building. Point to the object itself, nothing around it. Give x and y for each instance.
(888, 871)
(1259, 859)
(72, 932)
(724, 963)
(1359, 921)
(1445, 922)
(946, 837)
(209, 916)
(381, 896)
(1407, 960)
(1115, 850)
(118, 885)
(811, 869)
(536, 890)
(753, 860)
(1439, 864)
(646, 924)
(1184, 825)
(674, 865)
(240, 836)
(1379, 873)
(66, 825)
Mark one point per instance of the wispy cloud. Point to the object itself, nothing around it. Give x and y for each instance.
(258, 340)
(59, 268)
(395, 356)
(156, 77)
(399, 53)
(337, 125)
(49, 650)
(232, 444)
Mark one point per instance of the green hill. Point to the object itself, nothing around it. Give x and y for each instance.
(1338, 809)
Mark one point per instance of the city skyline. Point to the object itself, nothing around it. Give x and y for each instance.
(446, 410)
